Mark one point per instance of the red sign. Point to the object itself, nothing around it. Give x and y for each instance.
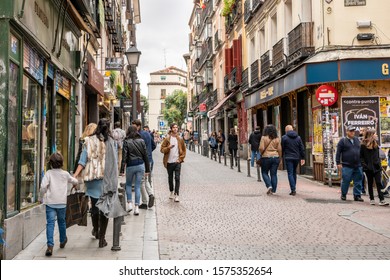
(95, 79)
(326, 95)
(202, 107)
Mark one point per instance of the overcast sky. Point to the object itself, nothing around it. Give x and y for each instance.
(164, 25)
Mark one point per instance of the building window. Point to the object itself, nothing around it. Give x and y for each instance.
(163, 78)
(163, 93)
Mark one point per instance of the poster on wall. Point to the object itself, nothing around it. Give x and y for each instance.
(361, 112)
(385, 122)
(317, 131)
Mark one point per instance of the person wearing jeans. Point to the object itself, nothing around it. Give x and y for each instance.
(348, 161)
(174, 170)
(271, 151)
(293, 153)
(254, 141)
(134, 174)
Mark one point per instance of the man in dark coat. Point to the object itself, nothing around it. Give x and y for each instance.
(254, 141)
(293, 153)
(348, 160)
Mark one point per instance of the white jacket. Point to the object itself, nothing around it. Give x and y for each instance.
(54, 186)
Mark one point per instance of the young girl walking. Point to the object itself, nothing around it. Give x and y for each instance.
(54, 190)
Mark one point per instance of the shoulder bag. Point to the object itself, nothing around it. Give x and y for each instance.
(258, 162)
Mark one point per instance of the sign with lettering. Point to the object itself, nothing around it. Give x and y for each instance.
(360, 112)
(326, 95)
(114, 63)
(95, 79)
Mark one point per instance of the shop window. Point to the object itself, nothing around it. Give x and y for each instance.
(12, 148)
(30, 170)
(62, 128)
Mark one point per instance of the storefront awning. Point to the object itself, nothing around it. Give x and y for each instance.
(213, 113)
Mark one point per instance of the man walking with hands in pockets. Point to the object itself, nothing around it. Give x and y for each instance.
(174, 150)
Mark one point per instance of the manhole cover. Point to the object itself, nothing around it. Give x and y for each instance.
(318, 200)
(248, 195)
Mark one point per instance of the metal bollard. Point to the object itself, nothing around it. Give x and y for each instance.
(238, 163)
(231, 161)
(219, 157)
(201, 150)
(116, 233)
(122, 196)
(258, 173)
(198, 149)
(248, 165)
(224, 158)
(215, 155)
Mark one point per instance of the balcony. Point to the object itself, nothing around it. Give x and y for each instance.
(207, 52)
(256, 4)
(247, 11)
(265, 61)
(279, 55)
(300, 42)
(226, 83)
(217, 39)
(255, 73)
(244, 80)
(235, 77)
(108, 11)
(212, 100)
(232, 18)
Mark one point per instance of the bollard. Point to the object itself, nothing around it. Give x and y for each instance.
(231, 161)
(198, 149)
(238, 163)
(248, 165)
(224, 158)
(258, 173)
(201, 150)
(122, 196)
(219, 157)
(116, 232)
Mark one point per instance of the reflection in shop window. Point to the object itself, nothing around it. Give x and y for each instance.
(30, 141)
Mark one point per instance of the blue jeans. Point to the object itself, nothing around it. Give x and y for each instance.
(255, 154)
(51, 215)
(270, 165)
(349, 174)
(134, 172)
(291, 166)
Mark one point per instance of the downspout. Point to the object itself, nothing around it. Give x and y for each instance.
(62, 30)
(58, 25)
(21, 13)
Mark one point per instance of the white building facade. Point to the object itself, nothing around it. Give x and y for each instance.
(163, 83)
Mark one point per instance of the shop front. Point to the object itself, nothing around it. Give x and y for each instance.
(38, 114)
(291, 100)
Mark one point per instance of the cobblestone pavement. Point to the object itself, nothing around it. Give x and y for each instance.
(224, 214)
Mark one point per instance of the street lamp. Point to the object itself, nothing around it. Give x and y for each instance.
(133, 55)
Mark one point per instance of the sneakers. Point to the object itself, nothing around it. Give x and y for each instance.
(62, 245)
(151, 201)
(343, 197)
(358, 198)
(143, 206)
(129, 206)
(176, 198)
(269, 190)
(383, 203)
(172, 196)
(49, 251)
(293, 193)
(136, 210)
(372, 202)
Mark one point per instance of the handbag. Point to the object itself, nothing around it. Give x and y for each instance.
(76, 209)
(258, 162)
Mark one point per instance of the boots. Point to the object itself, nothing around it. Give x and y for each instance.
(103, 221)
(95, 224)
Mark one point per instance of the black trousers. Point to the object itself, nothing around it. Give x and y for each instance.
(371, 177)
(174, 168)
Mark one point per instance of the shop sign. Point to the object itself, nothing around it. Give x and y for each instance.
(326, 95)
(33, 63)
(267, 92)
(202, 107)
(114, 63)
(126, 105)
(361, 112)
(107, 85)
(63, 86)
(95, 79)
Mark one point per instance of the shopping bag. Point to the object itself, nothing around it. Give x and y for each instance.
(75, 208)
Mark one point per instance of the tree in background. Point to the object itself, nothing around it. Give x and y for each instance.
(175, 107)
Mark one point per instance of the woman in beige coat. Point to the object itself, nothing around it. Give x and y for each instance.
(271, 152)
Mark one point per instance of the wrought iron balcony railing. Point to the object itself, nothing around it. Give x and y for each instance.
(300, 42)
(254, 73)
(265, 68)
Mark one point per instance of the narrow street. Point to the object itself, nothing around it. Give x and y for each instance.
(224, 214)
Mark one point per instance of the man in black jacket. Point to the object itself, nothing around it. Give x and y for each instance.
(293, 153)
(348, 161)
(254, 140)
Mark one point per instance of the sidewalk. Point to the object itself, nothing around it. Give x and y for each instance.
(138, 241)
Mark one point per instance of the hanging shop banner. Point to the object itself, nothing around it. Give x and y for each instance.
(360, 112)
(385, 121)
(95, 79)
(114, 63)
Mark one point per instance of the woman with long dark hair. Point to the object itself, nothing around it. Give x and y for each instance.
(371, 162)
(98, 162)
(271, 151)
(135, 158)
